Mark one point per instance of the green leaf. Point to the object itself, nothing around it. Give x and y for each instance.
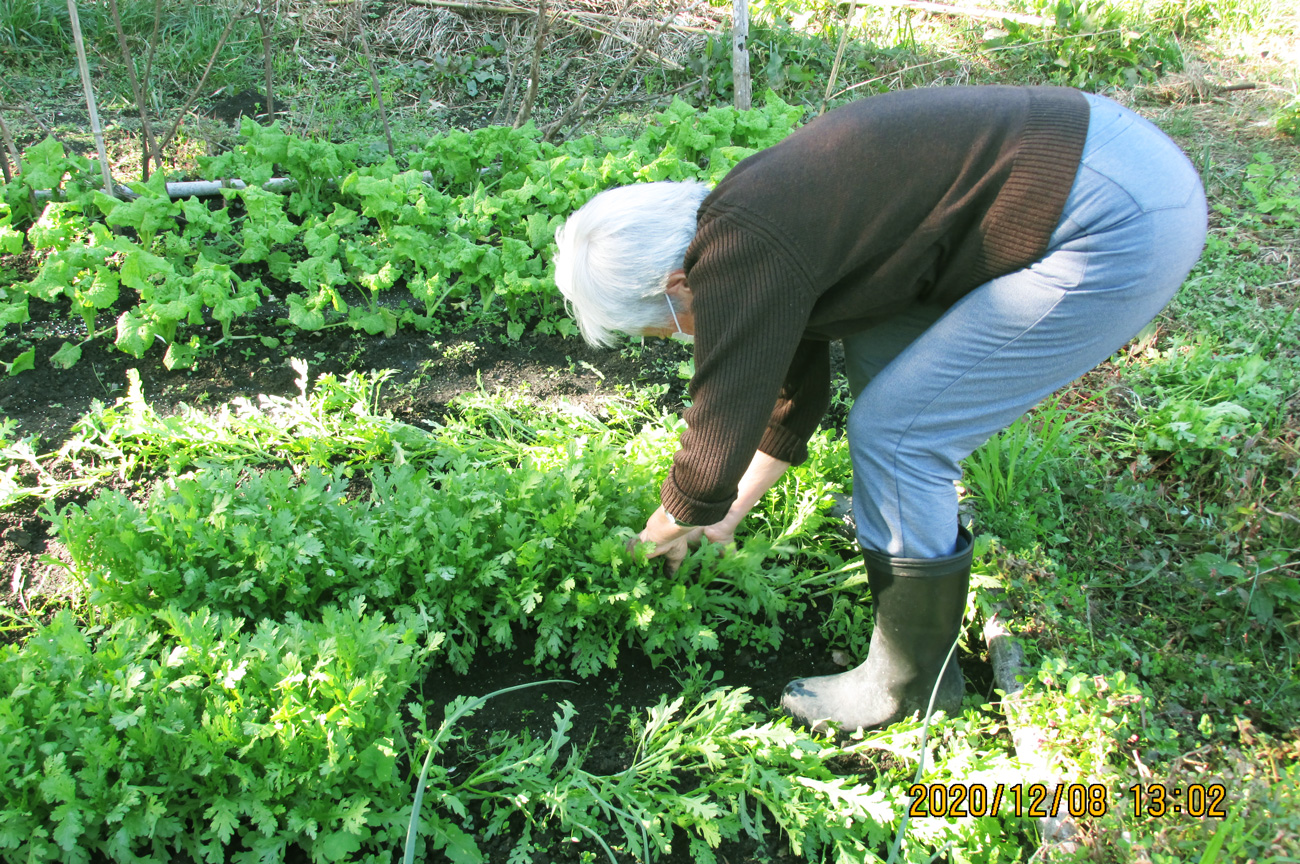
(14, 312)
(458, 845)
(303, 315)
(69, 827)
(335, 846)
(23, 362)
(67, 356)
(134, 333)
(181, 355)
(376, 322)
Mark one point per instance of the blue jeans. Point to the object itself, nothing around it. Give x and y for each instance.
(932, 385)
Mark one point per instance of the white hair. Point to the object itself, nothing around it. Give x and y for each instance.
(616, 252)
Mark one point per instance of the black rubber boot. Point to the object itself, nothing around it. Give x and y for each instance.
(918, 604)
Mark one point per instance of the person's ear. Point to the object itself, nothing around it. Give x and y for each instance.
(677, 285)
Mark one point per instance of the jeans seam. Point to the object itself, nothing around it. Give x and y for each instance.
(894, 457)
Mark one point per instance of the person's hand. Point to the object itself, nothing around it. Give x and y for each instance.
(672, 541)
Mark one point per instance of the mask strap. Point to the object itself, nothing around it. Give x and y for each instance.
(676, 323)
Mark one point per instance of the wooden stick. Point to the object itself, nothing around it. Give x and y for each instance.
(13, 150)
(266, 61)
(839, 55)
(148, 68)
(741, 83)
(374, 78)
(146, 130)
(543, 25)
(1007, 658)
(194, 94)
(95, 128)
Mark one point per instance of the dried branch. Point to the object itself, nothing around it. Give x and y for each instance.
(148, 144)
(636, 58)
(576, 106)
(91, 108)
(374, 78)
(194, 94)
(153, 47)
(543, 25)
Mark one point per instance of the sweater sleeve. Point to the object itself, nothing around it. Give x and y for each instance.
(751, 307)
(804, 398)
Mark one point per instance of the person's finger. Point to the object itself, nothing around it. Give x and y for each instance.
(674, 554)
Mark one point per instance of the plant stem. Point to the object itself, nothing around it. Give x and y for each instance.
(147, 142)
(84, 67)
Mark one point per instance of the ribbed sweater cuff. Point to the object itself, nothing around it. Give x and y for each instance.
(780, 443)
(690, 511)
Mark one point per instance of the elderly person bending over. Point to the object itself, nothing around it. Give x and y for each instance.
(975, 248)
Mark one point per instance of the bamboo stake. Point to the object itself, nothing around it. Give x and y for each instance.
(839, 55)
(95, 128)
(526, 109)
(194, 94)
(741, 83)
(374, 78)
(146, 130)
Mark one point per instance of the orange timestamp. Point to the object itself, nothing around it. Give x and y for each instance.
(1035, 800)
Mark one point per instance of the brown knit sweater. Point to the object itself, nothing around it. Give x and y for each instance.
(915, 196)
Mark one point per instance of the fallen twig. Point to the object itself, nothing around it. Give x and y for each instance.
(1008, 660)
(511, 9)
(967, 11)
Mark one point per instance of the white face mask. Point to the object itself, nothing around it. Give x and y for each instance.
(679, 336)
